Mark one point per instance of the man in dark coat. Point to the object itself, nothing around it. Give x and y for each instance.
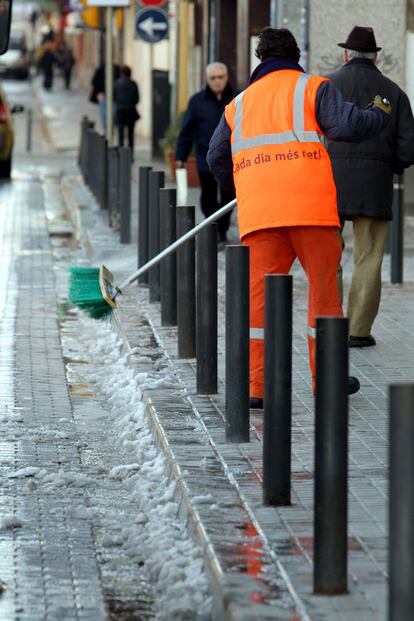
(97, 95)
(364, 176)
(201, 119)
(126, 97)
(47, 63)
(67, 61)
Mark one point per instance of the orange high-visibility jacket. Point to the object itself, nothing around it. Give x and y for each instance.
(282, 171)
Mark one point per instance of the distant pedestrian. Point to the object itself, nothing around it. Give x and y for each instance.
(364, 176)
(201, 119)
(33, 18)
(270, 142)
(66, 63)
(97, 95)
(47, 34)
(46, 64)
(126, 97)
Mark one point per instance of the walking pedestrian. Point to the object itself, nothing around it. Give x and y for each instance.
(126, 97)
(269, 141)
(46, 64)
(66, 62)
(201, 118)
(364, 176)
(97, 95)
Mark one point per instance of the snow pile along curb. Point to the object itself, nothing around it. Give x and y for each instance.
(157, 536)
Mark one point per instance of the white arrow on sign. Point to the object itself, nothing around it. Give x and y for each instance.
(108, 3)
(150, 26)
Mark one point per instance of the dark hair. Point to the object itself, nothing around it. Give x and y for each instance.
(126, 71)
(277, 42)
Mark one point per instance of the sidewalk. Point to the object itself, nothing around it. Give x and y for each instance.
(260, 559)
(89, 528)
(258, 547)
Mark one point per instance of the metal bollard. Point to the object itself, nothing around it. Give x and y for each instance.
(83, 155)
(98, 172)
(156, 182)
(29, 130)
(168, 217)
(113, 185)
(89, 155)
(100, 178)
(401, 503)
(186, 296)
(83, 126)
(95, 165)
(237, 344)
(331, 456)
(206, 310)
(103, 163)
(143, 198)
(125, 194)
(277, 419)
(397, 231)
(91, 161)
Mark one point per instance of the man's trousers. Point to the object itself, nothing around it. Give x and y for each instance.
(365, 292)
(273, 251)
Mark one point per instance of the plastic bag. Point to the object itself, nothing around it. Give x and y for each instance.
(182, 186)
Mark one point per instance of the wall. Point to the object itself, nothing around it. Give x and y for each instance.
(331, 22)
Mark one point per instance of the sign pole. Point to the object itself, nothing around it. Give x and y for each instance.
(109, 75)
(182, 94)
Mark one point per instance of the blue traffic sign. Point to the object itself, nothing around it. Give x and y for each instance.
(151, 25)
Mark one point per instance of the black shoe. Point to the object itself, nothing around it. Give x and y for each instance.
(362, 341)
(353, 385)
(256, 403)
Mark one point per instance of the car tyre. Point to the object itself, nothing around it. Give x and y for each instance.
(5, 169)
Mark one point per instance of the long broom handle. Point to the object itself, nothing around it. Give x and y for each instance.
(179, 242)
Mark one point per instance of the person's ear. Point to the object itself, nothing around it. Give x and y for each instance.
(346, 56)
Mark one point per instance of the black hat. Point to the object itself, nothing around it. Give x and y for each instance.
(361, 39)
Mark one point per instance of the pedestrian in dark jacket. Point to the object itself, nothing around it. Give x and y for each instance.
(67, 62)
(46, 64)
(201, 119)
(364, 176)
(270, 141)
(126, 97)
(97, 95)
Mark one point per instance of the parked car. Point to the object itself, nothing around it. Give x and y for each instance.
(15, 63)
(6, 134)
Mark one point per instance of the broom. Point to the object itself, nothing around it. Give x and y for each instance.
(92, 288)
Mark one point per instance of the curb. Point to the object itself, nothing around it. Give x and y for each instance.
(247, 585)
(247, 581)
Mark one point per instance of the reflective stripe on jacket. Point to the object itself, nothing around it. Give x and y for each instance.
(282, 171)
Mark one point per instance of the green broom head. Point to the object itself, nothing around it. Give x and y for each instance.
(88, 290)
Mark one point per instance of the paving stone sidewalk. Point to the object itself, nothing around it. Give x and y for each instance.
(281, 540)
(55, 452)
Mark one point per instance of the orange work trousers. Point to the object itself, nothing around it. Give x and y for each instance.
(273, 251)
